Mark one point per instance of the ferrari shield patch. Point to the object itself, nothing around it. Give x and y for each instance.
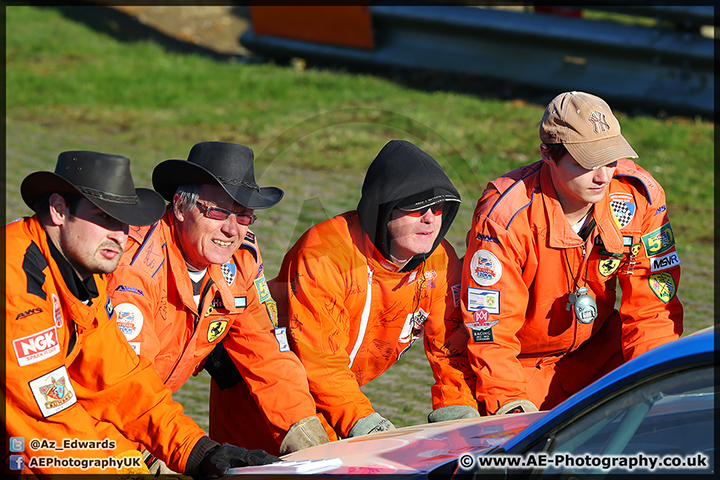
(608, 266)
(663, 285)
(216, 328)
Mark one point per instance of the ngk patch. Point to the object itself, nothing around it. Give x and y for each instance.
(36, 347)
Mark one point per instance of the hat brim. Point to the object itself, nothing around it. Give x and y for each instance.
(149, 209)
(595, 154)
(412, 205)
(170, 174)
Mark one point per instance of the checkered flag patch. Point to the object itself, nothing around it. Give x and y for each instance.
(229, 270)
(622, 212)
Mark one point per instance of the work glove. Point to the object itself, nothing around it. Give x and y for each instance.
(371, 424)
(452, 412)
(306, 433)
(220, 458)
(517, 406)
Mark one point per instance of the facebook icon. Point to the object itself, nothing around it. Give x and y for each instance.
(17, 462)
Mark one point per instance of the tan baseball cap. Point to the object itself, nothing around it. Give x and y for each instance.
(587, 127)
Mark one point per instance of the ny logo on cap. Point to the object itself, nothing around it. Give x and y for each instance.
(599, 122)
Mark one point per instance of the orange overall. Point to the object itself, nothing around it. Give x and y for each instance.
(523, 260)
(161, 320)
(68, 366)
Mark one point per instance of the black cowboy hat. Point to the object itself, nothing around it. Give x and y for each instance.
(104, 179)
(227, 164)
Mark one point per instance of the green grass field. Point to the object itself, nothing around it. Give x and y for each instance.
(314, 133)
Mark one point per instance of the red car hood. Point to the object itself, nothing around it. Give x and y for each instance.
(414, 449)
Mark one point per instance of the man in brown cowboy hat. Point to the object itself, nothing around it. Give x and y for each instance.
(196, 279)
(67, 364)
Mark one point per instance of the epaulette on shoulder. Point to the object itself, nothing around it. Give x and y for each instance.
(630, 172)
(250, 243)
(514, 193)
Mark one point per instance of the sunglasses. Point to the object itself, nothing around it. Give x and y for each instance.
(436, 208)
(217, 213)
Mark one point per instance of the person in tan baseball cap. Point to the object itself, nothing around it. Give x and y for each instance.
(550, 244)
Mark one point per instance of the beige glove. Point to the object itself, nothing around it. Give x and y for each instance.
(371, 424)
(452, 412)
(308, 432)
(517, 406)
(156, 466)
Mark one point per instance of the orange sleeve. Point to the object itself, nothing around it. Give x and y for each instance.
(446, 340)
(494, 347)
(119, 387)
(273, 373)
(310, 286)
(137, 311)
(650, 310)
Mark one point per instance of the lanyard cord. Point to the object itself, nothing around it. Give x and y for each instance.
(587, 265)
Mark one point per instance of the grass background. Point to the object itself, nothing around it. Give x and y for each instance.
(314, 132)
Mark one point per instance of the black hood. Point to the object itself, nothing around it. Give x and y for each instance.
(401, 175)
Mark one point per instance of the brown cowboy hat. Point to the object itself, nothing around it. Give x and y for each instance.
(104, 179)
(227, 164)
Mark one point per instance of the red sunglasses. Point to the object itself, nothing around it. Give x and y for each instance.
(436, 208)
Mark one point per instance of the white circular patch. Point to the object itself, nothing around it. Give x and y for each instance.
(129, 319)
(485, 268)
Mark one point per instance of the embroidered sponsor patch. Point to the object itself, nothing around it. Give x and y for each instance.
(482, 336)
(216, 328)
(487, 238)
(240, 302)
(623, 208)
(36, 347)
(250, 237)
(129, 319)
(456, 295)
(57, 311)
(28, 313)
(53, 392)
(481, 320)
(281, 337)
(663, 285)
(217, 301)
(627, 241)
(129, 289)
(260, 271)
(659, 241)
(413, 327)
(485, 268)
(481, 298)
(272, 310)
(663, 263)
(262, 289)
(660, 210)
(430, 277)
(109, 308)
(229, 271)
(608, 266)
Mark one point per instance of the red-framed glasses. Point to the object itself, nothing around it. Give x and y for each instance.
(217, 213)
(437, 209)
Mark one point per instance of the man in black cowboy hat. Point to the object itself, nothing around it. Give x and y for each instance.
(67, 364)
(196, 279)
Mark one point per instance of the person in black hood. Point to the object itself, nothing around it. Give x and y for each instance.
(406, 178)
